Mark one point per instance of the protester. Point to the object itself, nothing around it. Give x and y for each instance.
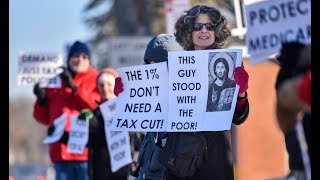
(149, 166)
(99, 158)
(75, 94)
(295, 64)
(99, 155)
(202, 28)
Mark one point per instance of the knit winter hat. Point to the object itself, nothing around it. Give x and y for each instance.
(110, 71)
(158, 47)
(79, 47)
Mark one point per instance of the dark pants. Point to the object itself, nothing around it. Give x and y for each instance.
(75, 170)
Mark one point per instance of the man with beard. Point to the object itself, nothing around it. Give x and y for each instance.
(222, 88)
(77, 93)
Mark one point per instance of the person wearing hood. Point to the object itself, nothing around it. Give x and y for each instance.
(77, 92)
(149, 166)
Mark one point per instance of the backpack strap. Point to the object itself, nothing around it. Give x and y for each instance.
(207, 144)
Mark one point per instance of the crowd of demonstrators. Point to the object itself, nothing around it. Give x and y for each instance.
(293, 105)
(99, 164)
(83, 89)
(203, 28)
(74, 95)
(200, 28)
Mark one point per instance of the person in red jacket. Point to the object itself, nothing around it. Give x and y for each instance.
(77, 92)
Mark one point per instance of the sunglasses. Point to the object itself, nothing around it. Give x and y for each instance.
(209, 26)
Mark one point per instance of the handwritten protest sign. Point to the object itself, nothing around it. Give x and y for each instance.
(143, 105)
(117, 141)
(78, 135)
(39, 68)
(201, 96)
(269, 23)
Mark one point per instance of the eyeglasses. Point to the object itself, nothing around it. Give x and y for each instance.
(209, 26)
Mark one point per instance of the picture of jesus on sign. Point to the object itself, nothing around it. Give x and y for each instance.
(221, 82)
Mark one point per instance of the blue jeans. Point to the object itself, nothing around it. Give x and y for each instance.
(71, 170)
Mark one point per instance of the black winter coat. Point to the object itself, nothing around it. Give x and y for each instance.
(219, 165)
(293, 146)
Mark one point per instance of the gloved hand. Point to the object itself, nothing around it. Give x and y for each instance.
(50, 130)
(66, 77)
(241, 78)
(304, 89)
(86, 115)
(118, 87)
(40, 93)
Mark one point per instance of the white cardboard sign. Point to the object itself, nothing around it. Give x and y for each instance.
(78, 135)
(196, 102)
(118, 141)
(189, 97)
(58, 130)
(40, 68)
(269, 23)
(143, 105)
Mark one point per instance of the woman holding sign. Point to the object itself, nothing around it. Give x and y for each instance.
(99, 158)
(203, 28)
